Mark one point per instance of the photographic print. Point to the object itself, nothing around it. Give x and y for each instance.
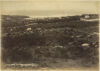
(49, 35)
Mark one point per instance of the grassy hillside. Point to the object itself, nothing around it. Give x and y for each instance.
(42, 41)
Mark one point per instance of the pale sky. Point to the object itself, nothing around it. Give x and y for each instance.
(49, 7)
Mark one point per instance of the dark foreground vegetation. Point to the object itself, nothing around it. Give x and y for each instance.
(49, 42)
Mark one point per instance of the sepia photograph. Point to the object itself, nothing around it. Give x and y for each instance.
(49, 35)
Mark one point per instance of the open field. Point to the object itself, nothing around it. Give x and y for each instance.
(66, 42)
